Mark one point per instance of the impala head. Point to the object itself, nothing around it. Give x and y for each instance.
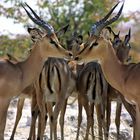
(49, 43)
(96, 41)
(74, 43)
(122, 47)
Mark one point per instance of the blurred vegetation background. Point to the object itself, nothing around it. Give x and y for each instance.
(80, 14)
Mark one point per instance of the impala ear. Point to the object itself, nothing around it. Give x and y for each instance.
(62, 31)
(127, 37)
(35, 33)
(80, 38)
(11, 58)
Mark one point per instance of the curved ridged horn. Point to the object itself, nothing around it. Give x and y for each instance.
(36, 19)
(114, 18)
(107, 16)
(127, 37)
(98, 26)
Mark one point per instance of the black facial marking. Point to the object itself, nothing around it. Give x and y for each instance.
(53, 42)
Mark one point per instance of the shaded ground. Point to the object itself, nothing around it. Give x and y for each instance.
(70, 123)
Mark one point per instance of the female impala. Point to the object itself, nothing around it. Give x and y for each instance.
(124, 78)
(56, 83)
(16, 77)
(122, 49)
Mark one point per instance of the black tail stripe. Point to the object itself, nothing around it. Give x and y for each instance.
(59, 77)
(48, 79)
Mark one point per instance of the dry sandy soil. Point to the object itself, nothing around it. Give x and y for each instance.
(70, 123)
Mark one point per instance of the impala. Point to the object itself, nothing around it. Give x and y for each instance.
(122, 77)
(122, 49)
(91, 73)
(92, 91)
(14, 78)
(57, 82)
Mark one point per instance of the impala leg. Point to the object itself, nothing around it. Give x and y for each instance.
(103, 115)
(137, 131)
(39, 127)
(3, 114)
(41, 105)
(79, 117)
(40, 121)
(34, 114)
(57, 109)
(100, 120)
(89, 118)
(108, 114)
(50, 113)
(32, 134)
(92, 121)
(132, 112)
(18, 115)
(42, 117)
(117, 119)
(61, 121)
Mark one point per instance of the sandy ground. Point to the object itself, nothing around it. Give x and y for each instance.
(70, 123)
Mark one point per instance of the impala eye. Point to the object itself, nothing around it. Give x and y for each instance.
(128, 45)
(70, 54)
(77, 58)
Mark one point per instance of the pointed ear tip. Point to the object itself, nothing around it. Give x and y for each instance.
(129, 32)
(25, 3)
(109, 28)
(22, 4)
(29, 29)
(7, 54)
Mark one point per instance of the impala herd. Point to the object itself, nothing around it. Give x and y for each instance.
(51, 74)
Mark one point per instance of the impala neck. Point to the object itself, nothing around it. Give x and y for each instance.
(31, 67)
(112, 68)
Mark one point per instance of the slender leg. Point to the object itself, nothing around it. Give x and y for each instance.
(18, 115)
(79, 117)
(117, 119)
(92, 120)
(33, 123)
(3, 114)
(137, 132)
(132, 111)
(50, 113)
(108, 114)
(61, 121)
(57, 109)
(34, 114)
(42, 117)
(89, 118)
(39, 123)
(100, 120)
(41, 106)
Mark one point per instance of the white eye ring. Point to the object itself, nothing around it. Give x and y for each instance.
(128, 45)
